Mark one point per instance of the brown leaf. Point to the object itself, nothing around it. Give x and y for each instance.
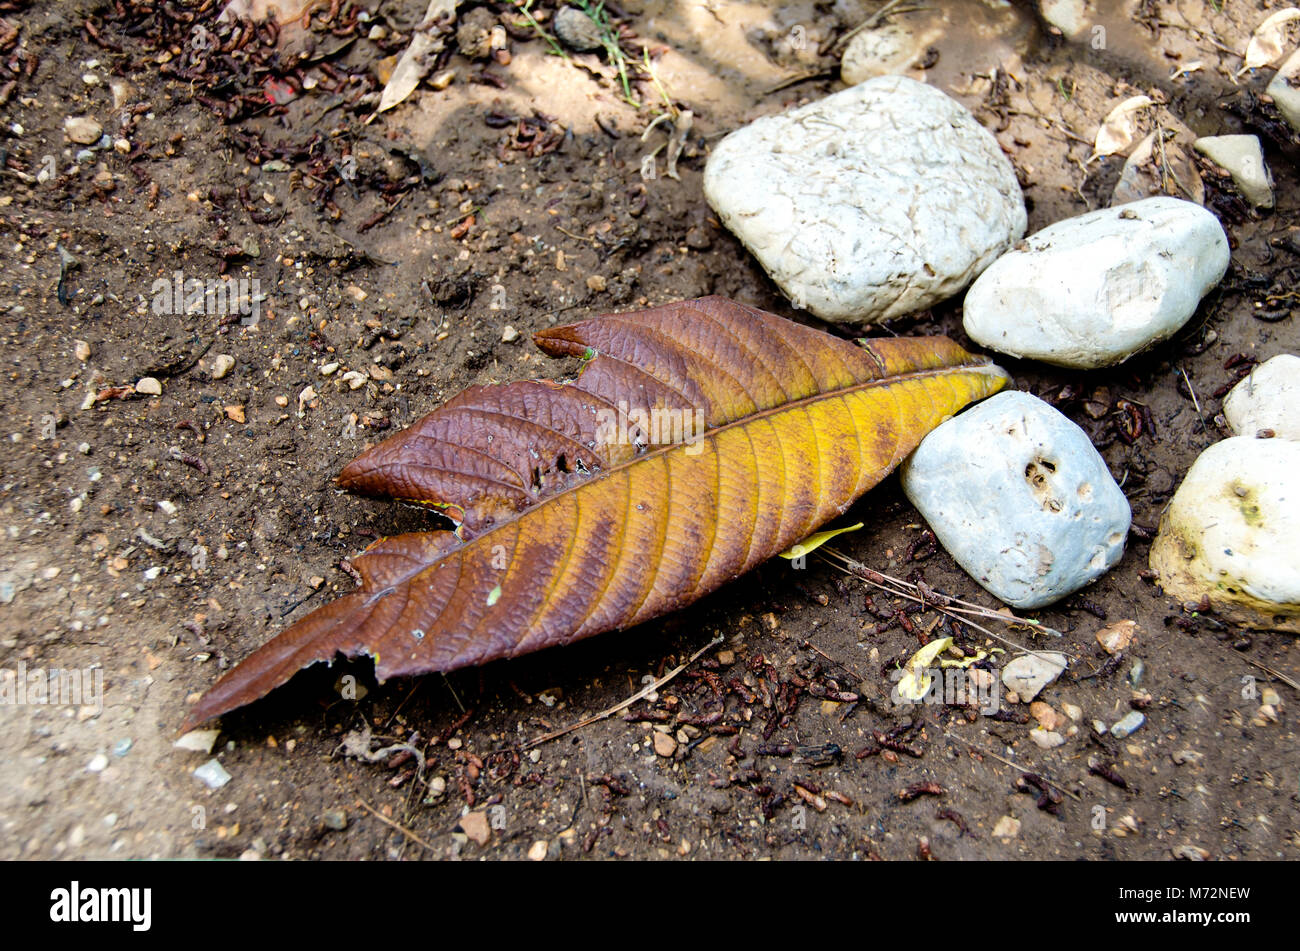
(698, 440)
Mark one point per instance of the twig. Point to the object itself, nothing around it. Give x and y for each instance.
(869, 23)
(640, 694)
(400, 828)
(944, 604)
(1275, 673)
(1014, 765)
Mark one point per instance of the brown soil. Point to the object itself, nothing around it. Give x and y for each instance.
(240, 516)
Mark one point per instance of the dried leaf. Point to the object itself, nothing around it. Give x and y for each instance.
(816, 540)
(1269, 39)
(417, 60)
(916, 678)
(699, 439)
(1120, 127)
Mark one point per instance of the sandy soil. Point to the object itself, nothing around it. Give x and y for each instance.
(159, 539)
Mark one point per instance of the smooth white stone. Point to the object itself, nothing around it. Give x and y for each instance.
(1242, 157)
(1028, 674)
(1285, 95)
(874, 202)
(1230, 533)
(1020, 498)
(1093, 290)
(1267, 399)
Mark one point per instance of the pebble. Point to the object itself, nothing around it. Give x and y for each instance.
(1007, 828)
(212, 774)
(148, 386)
(82, 130)
(874, 202)
(1116, 638)
(1242, 157)
(1129, 724)
(576, 30)
(1068, 16)
(222, 364)
(355, 379)
(1184, 757)
(509, 334)
(235, 413)
(81, 349)
(1028, 674)
(198, 741)
(475, 825)
(122, 747)
(1046, 739)
(1020, 498)
(97, 764)
(887, 50)
(1047, 718)
(1284, 88)
(1229, 533)
(1269, 398)
(1093, 290)
(665, 744)
(335, 819)
(537, 852)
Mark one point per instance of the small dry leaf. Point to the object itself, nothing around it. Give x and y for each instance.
(1120, 127)
(419, 56)
(1269, 39)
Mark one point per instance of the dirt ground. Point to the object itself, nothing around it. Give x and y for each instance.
(159, 539)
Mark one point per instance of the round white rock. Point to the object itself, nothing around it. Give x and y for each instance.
(1230, 533)
(1267, 399)
(1020, 498)
(874, 202)
(1091, 291)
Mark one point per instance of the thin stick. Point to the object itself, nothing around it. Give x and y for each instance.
(1195, 401)
(1013, 765)
(400, 828)
(868, 24)
(639, 695)
(957, 614)
(1275, 673)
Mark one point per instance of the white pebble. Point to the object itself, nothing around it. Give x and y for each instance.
(1269, 398)
(1242, 157)
(1093, 290)
(1020, 498)
(1230, 533)
(222, 364)
(874, 202)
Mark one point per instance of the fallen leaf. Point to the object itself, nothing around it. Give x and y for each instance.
(916, 678)
(1269, 39)
(698, 440)
(417, 60)
(816, 540)
(1119, 127)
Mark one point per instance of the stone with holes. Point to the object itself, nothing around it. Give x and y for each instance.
(1020, 498)
(874, 202)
